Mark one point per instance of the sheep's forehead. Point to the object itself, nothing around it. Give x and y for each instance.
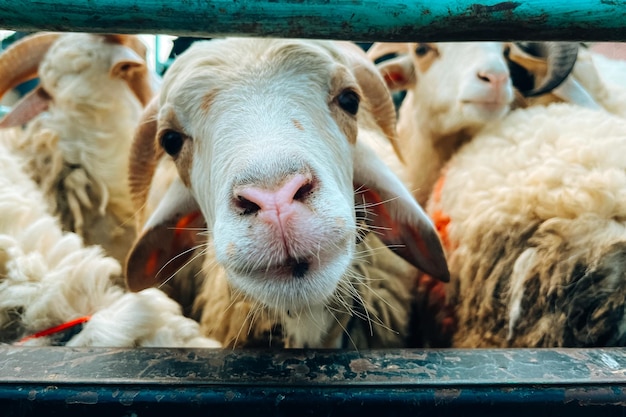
(275, 70)
(460, 56)
(75, 53)
(232, 62)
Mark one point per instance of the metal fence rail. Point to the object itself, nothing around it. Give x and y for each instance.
(145, 382)
(360, 20)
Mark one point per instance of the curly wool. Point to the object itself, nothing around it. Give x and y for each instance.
(49, 277)
(535, 222)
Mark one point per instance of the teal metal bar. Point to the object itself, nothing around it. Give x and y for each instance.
(359, 20)
(199, 382)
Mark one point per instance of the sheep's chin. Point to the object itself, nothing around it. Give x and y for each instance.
(281, 289)
(485, 111)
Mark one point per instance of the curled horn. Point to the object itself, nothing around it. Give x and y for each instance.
(144, 157)
(20, 61)
(376, 92)
(560, 58)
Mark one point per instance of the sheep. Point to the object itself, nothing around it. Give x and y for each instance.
(453, 90)
(49, 276)
(447, 84)
(532, 213)
(602, 77)
(266, 136)
(81, 119)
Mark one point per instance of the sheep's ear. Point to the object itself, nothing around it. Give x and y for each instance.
(168, 240)
(33, 103)
(398, 72)
(395, 216)
(129, 66)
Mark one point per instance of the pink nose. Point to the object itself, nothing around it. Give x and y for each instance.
(277, 205)
(495, 78)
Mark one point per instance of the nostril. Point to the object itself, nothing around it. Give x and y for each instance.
(486, 77)
(492, 77)
(246, 206)
(303, 191)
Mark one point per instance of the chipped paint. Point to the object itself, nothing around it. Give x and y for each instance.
(582, 382)
(505, 6)
(86, 397)
(384, 20)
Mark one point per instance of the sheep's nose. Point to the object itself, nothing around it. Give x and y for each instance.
(274, 205)
(495, 78)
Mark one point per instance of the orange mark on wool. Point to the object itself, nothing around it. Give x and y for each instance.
(185, 221)
(441, 219)
(297, 124)
(448, 325)
(437, 304)
(439, 292)
(152, 263)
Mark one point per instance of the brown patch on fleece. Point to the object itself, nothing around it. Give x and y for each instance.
(479, 286)
(572, 295)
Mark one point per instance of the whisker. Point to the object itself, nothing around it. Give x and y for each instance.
(343, 328)
(182, 267)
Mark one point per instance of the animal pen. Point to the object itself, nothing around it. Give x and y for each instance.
(443, 382)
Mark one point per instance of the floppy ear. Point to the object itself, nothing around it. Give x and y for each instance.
(395, 215)
(398, 72)
(171, 232)
(33, 103)
(167, 241)
(129, 66)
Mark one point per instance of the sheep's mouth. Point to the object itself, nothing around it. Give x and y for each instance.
(487, 104)
(299, 268)
(291, 268)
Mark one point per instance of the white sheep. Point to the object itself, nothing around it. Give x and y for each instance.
(532, 212)
(267, 138)
(81, 119)
(603, 77)
(453, 90)
(49, 277)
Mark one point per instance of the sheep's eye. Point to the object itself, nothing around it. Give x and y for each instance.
(172, 142)
(349, 101)
(422, 49)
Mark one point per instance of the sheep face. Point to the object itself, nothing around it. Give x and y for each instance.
(79, 73)
(273, 156)
(264, 135)
(455, 86)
